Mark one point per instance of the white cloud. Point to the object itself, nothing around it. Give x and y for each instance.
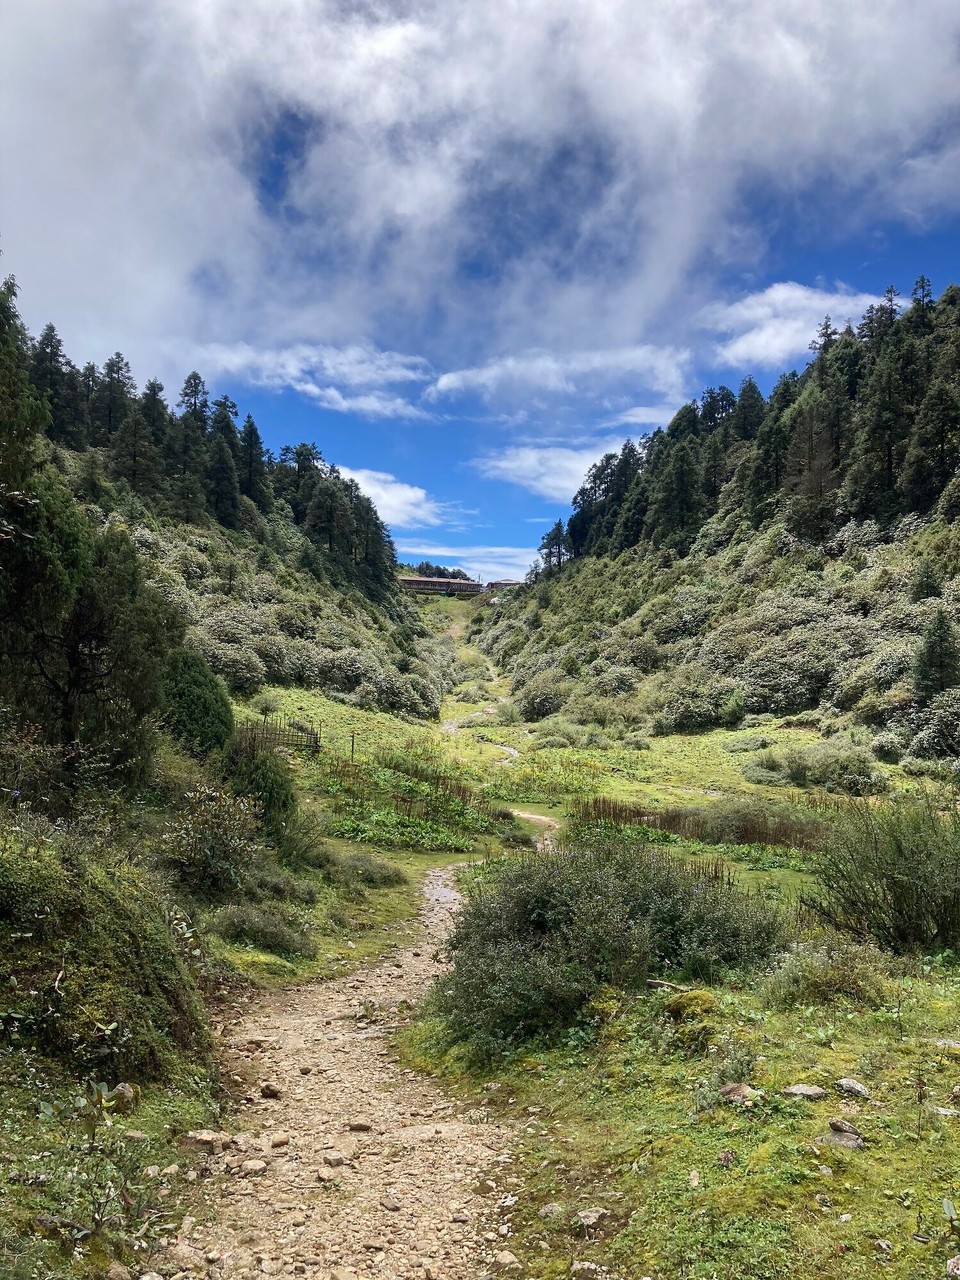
(485, 563)
(647, 415)
(401, 505)
(471, 179)
(371, 404)
(778, 323)
(660, 368)
(359, 365)
(551, 471)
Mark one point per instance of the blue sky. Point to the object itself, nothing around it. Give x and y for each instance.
(467, 248)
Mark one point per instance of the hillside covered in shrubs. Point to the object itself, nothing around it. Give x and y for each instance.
(796, 555)
(278, 569)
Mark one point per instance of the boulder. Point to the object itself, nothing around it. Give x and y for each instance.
(846, 1084)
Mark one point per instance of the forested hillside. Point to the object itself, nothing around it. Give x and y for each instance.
(275, 569)
(768, 556)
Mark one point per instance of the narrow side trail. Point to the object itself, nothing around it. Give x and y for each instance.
(351, 1165)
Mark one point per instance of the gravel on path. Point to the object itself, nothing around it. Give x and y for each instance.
(351, 1165)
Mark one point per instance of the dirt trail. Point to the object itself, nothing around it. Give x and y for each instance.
(359, 1167)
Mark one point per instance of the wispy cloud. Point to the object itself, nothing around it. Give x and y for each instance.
(369, 404)
(660, 368)
(359, 365)
(402, 505)
(551, 471)
(777, 324)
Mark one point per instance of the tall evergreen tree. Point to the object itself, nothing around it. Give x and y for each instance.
(135, 457)
(112, 399)
(933, 450)
(252, 466)
(936, 666)
(223, 490)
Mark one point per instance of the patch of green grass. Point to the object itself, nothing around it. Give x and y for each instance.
(627, 1119)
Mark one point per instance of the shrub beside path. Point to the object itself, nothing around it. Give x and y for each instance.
(351, 1165)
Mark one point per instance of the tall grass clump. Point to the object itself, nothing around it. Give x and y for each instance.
(891, 872)
(540, 935)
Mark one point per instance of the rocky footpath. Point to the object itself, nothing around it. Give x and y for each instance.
(348, 1164)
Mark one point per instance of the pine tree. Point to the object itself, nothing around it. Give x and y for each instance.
(936, 666)
(223, 491)
(252, 466)
(223, 422)
(933, 451)
(135, 457)
(58, 382)
(749, 411)
(112, 399)
(677, 502)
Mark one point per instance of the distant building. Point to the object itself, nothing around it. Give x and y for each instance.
(503, 584)
(441, 586)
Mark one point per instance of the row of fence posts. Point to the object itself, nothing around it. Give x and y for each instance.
(295, 736)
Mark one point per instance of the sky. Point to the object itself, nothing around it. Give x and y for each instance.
(467, 248)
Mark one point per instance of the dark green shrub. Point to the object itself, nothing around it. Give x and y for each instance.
(827, 969)
(938, 728)
(211, 845)
(267, 928)
(538, 937)
(262, 774)
(194, 702)
(937, 664)
(269, 881)
(302, 843)
(367, 870)
(542, 696)
(887, 747)
(891, 871)
(91, 970)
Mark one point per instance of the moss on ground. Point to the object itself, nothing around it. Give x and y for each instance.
(617, 1115)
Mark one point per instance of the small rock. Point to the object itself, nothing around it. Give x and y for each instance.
(305, 1071)
(278, 1140)
(740, 1093)
(391, 1205)
(333, 1159)
(506, 1261)
(250, 1168)
(360, 1126)
(204, 1139)
(117, 1271)
(727, 1158)
(849, 1140)
(126, 1097)
(136, 1135)
(298, 1220)
(812, 1092)
(845, 1217)
(591, 1217)
(552, 1210)
(152, 1171)
(884, 1246)
(170, 1171)
(947, 1111)
(270, 1089)
(584, 1269)
(953, 1266)
(825, 1170)
(839, 1125)
(846, 1084)
(151, 1275)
